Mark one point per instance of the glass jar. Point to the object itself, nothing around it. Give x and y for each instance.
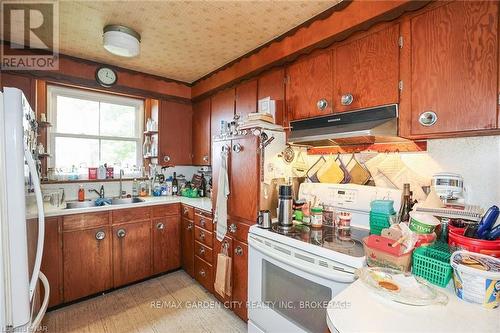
(328, 215)
(316, 217)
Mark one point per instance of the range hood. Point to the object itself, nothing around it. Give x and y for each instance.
(366, 126)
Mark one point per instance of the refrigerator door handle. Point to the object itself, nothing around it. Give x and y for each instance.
(41, 221)
(35, 323)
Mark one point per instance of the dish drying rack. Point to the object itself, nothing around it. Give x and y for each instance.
(470, 212)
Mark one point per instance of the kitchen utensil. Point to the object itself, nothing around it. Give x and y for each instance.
(494, 233)
(488, 221)
(288, 154)
(285, 203)
(457, 240)
(476, 278)
(264, 219)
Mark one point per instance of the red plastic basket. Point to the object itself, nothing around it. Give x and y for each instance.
(457, 240)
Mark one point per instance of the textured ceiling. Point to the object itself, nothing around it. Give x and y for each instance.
(182, 40)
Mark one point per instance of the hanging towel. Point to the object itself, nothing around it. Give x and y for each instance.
(222, 284)
(220, 216)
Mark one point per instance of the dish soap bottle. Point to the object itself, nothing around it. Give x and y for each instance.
(81, 194)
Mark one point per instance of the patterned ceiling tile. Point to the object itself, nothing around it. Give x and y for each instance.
(182, 40)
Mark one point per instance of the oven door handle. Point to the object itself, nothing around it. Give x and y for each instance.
(337, 276)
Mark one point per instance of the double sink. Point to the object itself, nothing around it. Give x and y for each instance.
(91, 203)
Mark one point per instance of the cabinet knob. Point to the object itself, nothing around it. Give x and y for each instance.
(166, 158)
(233, 228)
(202, 251)
(100, 235)
(205, 158)
(427, 118)
(346, 99)
(322, 104)
(121, 233)
(186, 211)
(190, 226)
(238, 251)
(237, 148)
(160, 226)
(202, 222)
(202, 273)
(202, 235)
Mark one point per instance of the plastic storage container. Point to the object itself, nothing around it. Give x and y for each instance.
(476, 278)
(433, 265)
(379, 221)
(458, 241)
(380, 253)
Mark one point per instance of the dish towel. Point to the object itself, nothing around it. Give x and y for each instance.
(222, 284)
(220, 216)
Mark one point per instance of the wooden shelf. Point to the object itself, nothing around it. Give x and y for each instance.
(396, 147)
(44, 155)
(149, 157)
(150, 132)
(76, 181)
(44, 124)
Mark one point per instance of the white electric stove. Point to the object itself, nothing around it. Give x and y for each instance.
(293, 276)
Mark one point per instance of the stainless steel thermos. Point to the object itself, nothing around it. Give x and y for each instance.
(285, 206)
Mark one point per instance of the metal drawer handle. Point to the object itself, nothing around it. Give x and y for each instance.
(202, 250)
(202, 273)
(202, 222)
(186, 211)
(190, 226)
(160, 226)
(238, 251)
(346, 99)
(166, 158)
(428, 118)
(205, 158)
(100, 235)
(121, 233)
(202, 235)
(237, 148)
(322, 104)
(233, 228)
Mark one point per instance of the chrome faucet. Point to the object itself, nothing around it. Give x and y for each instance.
(100, 193)
(121, 184)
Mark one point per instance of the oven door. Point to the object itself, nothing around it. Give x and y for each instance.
(288, 294)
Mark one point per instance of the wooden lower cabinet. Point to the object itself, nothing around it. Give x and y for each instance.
(166, 243)
(87, 267)
(240, 279)
(131, 252)
(203, 273)
(187, 243)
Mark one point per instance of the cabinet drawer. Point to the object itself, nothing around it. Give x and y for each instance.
(203, 213)
(203, 273)
(238, 230)
(166, 210)
(203, 252)
(129, 215)
(203, 236)
(187, 212)
(204, 222)
(85, 221)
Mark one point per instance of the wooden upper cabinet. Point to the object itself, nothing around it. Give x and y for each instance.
(222, 109)
(244, 179)
(272, 84)
(309, 80)
(454, 67)
(175, 133)
(367, 69)
(131, 252)
(25, 83)
(201, 132)
(246, 98)
(87, 266)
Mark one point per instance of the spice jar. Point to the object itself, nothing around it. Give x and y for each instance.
(344, 226)
(328, 215)
(316, 217)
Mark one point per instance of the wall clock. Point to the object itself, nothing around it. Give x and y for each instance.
(105, 76)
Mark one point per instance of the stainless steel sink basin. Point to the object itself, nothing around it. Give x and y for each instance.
(124, 201)
(80, 204)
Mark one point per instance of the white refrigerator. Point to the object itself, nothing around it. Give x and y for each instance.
(19, 178)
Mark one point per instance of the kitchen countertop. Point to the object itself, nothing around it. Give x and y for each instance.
(200, 203)
(357, 309)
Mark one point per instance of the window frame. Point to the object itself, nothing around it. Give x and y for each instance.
(55, 90)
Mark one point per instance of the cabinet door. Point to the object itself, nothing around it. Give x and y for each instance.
(244, 179)
(272, 84)
(454, 67)
(240, 279)
(367, 69)
(52, 259)
(246, 98)
(201, 132)
(217, 147)
(227, 242)
(166, 244)
(86, 262)
(175, 126)
(222, 109)
(25, 83)
(309, 80)
(187, 245)
(131, 252)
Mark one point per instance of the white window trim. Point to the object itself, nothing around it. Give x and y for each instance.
(53, 91)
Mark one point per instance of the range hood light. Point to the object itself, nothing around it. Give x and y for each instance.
(121, 41)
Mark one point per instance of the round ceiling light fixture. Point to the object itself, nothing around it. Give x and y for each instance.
(121, 41)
